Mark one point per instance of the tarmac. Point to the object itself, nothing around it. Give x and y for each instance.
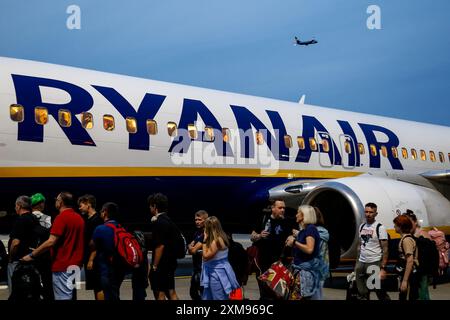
(333, 290)
(251, 292)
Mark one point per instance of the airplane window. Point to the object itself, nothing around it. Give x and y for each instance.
(414, 154)
(288, 141)
(432, 156)
(394, 152)
(192, 131)
(441, 157)
(361, 148)
(301, 143)
(41, 115)
(87, 121)
(259, 138)
(313, 144)
(325, 145)
(108, 122)
(384, 151)
(64, 118)
(404, 153)
(226, 134)
(172, 129)
(373, 150)
(423, 155)
(209, 134)
(347, 147)
(131, 124)
(152, 127)
(16, 112)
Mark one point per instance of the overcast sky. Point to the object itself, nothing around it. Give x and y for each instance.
(401, 70)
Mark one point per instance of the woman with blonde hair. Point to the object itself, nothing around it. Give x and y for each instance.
(306, 244)
(217, 278)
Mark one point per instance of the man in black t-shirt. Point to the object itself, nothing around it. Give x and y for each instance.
(195, 249)
(21, 237)
(269, 235)
(92, 220)
(164, 261)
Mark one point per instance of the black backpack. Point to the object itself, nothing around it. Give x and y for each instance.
(180, 244)
(26, 283)
(40, 233)
(428, 256)
(140, 237)
(237, 256)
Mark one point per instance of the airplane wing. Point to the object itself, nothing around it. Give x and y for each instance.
(442, 176)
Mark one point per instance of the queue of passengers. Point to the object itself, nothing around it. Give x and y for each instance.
(220, 265)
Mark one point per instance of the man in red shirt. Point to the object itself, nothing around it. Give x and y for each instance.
(67, 243)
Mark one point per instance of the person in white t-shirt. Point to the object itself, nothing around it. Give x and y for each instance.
(373, 251)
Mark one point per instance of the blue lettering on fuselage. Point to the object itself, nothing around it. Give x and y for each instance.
(245, 120)
(29, 95)
(191, 110)
(392, 141)
(310, 126)
(148, 108)
(354, 158)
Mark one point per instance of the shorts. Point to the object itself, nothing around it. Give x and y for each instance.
(63, 285)
(93, 279)
(163, 279)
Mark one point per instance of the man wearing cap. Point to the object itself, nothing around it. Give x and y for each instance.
(44, 262)
(38, 205)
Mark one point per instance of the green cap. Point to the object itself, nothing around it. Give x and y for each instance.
(37, 198)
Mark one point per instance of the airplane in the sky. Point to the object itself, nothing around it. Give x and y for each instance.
(122, 138)
(298, 42)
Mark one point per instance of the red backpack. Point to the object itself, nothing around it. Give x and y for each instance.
(127, 246)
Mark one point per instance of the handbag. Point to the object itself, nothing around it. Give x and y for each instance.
(278, 278)
(237, 294)
(294, 289)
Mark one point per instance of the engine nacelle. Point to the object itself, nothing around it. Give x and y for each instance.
(342, 204)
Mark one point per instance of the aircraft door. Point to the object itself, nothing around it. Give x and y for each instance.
(348, 151)
(325, 148)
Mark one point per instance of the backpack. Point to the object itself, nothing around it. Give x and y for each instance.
(324, 258)
(377, 229)
(237, 256)
(442, 246)
(127, 246)
(428, 256)
(180, 244)
(26, 283)
(40, 233)
(140, 237)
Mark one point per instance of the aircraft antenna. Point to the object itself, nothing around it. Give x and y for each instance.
(302, 99)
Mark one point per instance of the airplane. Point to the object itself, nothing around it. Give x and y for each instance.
(303, 43)
(122, 138)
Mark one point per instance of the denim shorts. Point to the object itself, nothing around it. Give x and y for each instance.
(63, 285)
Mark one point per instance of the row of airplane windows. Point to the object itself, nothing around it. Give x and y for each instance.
(17, 114)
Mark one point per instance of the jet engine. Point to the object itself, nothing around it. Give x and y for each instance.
(342, 201)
